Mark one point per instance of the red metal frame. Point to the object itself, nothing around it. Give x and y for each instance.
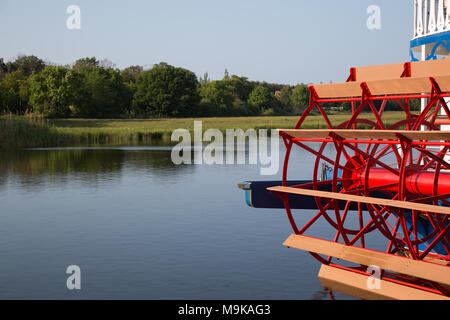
(376, 159)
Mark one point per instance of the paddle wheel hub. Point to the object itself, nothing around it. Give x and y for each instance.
(417, 182)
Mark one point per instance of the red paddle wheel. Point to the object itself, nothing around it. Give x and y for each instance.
(389, 183)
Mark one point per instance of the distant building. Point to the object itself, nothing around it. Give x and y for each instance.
(278, 93)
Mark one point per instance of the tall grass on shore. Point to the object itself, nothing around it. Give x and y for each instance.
(17, 133)
(35, 132)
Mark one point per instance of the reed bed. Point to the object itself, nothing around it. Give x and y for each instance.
(35, 132)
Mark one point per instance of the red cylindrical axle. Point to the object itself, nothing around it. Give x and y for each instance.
(416, 181)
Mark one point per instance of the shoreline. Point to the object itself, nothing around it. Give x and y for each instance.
(24, 132)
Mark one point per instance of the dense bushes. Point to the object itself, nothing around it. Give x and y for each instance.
(96, 89)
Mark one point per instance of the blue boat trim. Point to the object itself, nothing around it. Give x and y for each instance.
(443, 36)
(439, 39)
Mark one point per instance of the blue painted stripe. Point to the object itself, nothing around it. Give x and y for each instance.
(248, 198)
(443, 36)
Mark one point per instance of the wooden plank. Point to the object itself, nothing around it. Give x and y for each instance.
(420, 69)
(382, 87)
(368, 200)
(443, 82)
(366, 257)
(433, 68)
(400, 86)
(338, 90)
(408, 85)
(355, 285)
(405, 253)
(380, 72)
(369, 134)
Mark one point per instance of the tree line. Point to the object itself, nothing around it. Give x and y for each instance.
(90, 88)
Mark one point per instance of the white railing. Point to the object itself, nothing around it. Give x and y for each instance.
(431, 17)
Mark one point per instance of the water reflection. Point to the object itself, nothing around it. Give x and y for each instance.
(32, 167)
(88, 165)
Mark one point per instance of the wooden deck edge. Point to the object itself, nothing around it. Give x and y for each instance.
(419, 269)
(355, 285)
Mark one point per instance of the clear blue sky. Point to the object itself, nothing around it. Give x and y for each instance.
(284, 41)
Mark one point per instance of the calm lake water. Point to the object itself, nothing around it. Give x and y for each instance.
(141, 227)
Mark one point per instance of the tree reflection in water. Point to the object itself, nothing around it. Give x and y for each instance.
(31, 168)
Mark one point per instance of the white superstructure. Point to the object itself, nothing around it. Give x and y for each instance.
(431, 37)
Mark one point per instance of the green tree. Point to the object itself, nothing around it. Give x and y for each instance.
(107, 94)
(241, 87)
(131, 74)
(300, 98)
(228, 97)
(15, 92)
(218, 93)
(271, 86)
(26, 64)
(3, 68)
(261, 98)
(86, 64)
(166, 91)
(56, 90)
(285, 96)
(129, 77)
